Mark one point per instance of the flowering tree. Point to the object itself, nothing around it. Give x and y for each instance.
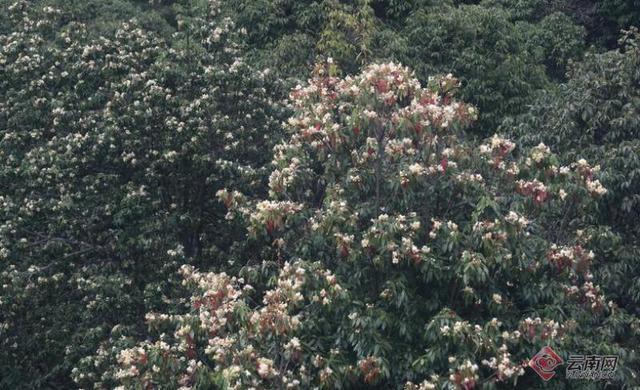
(113, 148)
(400, 254)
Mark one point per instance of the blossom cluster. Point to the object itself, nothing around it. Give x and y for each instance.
(589, 294)
(272, 215)
(571, 257)
(538, 176)
(343, 121)
(497, 149)
(587, 172)
(544, 330)
(392, 237)
(246, 346)
(504, 366)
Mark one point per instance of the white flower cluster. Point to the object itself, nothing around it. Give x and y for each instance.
(437, 226)
(587, 172)
(534, 189)
(490, 231)
(545, 330)
(589, 294)
(574, 258)
(242, 350)
(465, 375)
(538, 154)
(497, 146)
(398, 233)
(519, 221)
(504, 367)
(271, 215)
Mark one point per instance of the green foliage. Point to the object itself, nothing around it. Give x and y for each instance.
(502, 55)
(101, 17)
(602, 96)
(289, 35)
(596, 115)
(500, 62)
(380, 243)
(615, 15)
(561, 41)
(114, 148)
(602, 19)
(346, 35)
(282, 33)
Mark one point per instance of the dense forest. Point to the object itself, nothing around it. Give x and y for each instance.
(335, 194)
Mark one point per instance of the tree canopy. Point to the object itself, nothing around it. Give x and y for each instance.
(317, 194)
